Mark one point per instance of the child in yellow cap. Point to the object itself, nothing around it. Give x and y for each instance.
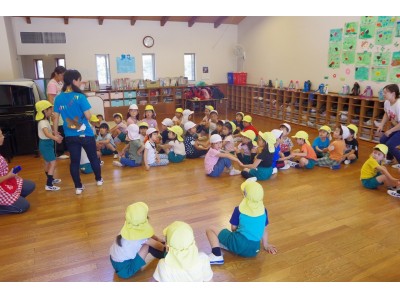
(227, 132)
(175, 148)
(183, 261)
(150, 117)
(247, 149)
(321, 142)
(247, 123)
(143, 126)
(46, 142)
(306, 155)
(177, 119)
(351, 152)
(373, 174)
(249, 223)
(118, 132)
(203, 128)
(136, 240)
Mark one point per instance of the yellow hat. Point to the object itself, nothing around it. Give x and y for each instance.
(209, 107)
(183, 252)
(253, 201)
(137, 226)
(354, 128)
(302, 135)
(118, 114)
(270, 139)
(149, 107)
(179, 110)
(143, 124)
(40, 107)
(94, 118)
(178, 131)
(326, 128)
(240, 113)
(250, 135)
(381, 147)
(247, 119)
(233, 126)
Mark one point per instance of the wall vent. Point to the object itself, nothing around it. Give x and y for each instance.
(43, 38)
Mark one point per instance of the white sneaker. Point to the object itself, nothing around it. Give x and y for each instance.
(285, 167)
(391, 193)
(64, 156)
(234, 172)
(347, 161)
(396, 166)
(274, 171)
(116, 156)
(55, 181)
(293, 164)
(51, 188)
(101, 162)
(100, 182)
(79, 191)
(117, 163)
(216, 260)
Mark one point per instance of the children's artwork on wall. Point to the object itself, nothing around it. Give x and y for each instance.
(384, 36)
(381, 59)
(363, 58)
(126, 64)
(397, 29)
(367, 31)
(351, 28)
(349, 43)
(394, 76)
(335, 48)
(379, 74)
(336, 35)
(385, 22)
(362, 73)
(395, 59)
(368, 20)
(334, 61)
(348, 57)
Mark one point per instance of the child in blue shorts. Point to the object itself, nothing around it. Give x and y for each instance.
(248, 224)
(105, 142)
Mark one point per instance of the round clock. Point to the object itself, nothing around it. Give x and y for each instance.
(148, 41)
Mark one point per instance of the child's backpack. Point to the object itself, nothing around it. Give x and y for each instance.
(355, 91)
(307, 86)
(368, 93)
(345, 90)
(321, 88)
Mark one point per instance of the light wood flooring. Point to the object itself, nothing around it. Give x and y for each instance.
(326, 226)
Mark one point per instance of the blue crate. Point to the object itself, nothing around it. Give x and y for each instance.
(117, 103)
(129, 94)
(128, 102)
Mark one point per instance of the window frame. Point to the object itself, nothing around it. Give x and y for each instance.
(36, 61)
(153, 60)
(193, 66)
(107, 68)
(58, 62)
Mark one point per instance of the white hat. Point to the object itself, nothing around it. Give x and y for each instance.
(215, 138)
(289, 128)
(133, 132)
(150, 131)
(167, 122)
(188, 125)
(187, 112)
(277, 133)
(346, 132)
(133, 106)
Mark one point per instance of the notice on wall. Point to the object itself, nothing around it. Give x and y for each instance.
(126, 64)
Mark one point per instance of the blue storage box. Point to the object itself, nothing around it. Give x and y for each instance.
(116, 103)
(129, 94)
(128, 102)
(230, 77)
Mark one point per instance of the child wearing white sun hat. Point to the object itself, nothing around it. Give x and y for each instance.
(193, 147)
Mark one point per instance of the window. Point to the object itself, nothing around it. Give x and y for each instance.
(149, 69)
(103, 69)
(190, 66)
(39, 68)
(60, 62)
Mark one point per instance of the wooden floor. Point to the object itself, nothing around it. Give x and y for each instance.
(325, 225)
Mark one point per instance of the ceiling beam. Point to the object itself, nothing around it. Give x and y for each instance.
(28, 20)
(101, 19)
(66, 19)
(192, 20)
(164, 20)
(219, 21)
(133, 20)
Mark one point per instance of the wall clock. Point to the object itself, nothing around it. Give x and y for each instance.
(148, 41)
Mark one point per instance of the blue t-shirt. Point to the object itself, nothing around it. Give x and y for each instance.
(276, 155)
(71, 106)
(250, 227)
(320, 144)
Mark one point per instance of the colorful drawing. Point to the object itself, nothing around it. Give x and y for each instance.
(126, 64)
(383, 22)
(350, 28)
(362, 73)
(363, 58)
(368, 20)
(335, 35)
(383, 36)
(395, 59)
(381, 59)
(334, 61)
(379, 74)
(348, 57)
(335, 48)
(397, 29)
(367, 31)
(349, 43)
(394, 76)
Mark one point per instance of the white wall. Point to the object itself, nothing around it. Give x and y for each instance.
(294, 48)
(8, 53)
(85, 38)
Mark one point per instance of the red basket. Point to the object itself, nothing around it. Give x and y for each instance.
(240, 78)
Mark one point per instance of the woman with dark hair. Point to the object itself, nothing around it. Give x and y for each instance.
(391, 137)
(54, 87)
(74, 109)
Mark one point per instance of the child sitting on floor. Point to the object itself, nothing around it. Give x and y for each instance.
(306, 155)
(105, 143)
(132, 153)
(193, 147)
(351, 152)
(321, 142)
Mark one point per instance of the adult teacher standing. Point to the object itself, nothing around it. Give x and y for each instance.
(74, 109)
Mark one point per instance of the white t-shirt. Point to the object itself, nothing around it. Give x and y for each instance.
(151, 153)
(200, 272)
(178, 147)
(128, 250)
(392, 111)
(43, 124)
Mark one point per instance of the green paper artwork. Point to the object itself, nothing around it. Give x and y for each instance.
(349, 43)
(383, 22)
(394, 76)
(335, 48)
(383, 36)
(350, 28)
(395, 59)
(348, 57)
(368, 20)
(363, 58)
(381, 59)
(362, 73)
(367, 31)
(379, 74)
(397, 30)
(335, 35)
(334, 61)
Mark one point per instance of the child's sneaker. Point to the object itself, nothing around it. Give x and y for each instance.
(234, 172)
(116, 156)
(55, 181)
(393, 193)
(79, 191)
(100, 182)
(117, 163)
(347, 162)
(293, 164)
(285, 167)
(274, 171)
(101, 162)
(216, 260)
(51, 188)
(392, 188)
(297, 166)
(335, 167)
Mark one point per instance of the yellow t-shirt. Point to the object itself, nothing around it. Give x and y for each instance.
(368, 169)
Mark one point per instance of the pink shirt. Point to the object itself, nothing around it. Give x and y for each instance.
(211, 160)
(131, 120)
(54, 87)
(229, 146)
(151, 122)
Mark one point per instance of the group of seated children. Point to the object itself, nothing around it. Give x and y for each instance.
(179, 257)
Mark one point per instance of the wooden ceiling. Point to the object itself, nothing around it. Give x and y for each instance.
(217, 21)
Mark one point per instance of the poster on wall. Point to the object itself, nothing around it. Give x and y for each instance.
(126, 64)
(334, 60)
(397, 34)
(336, 35)
(348, 57)
(362, 73)
(394, 76)
(349, 43)
(351, 28)
(368, 20)
(367, 31)
(385, 22)
(379, 74)
(384, 36)
(395, 59)
(335, 48)
(381, 59)
(363, 58)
